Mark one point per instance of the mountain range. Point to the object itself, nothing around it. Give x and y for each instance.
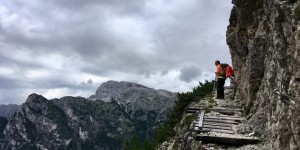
(8, 110)
(116, 112)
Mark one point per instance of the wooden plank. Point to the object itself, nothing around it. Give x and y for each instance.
(223, 110)
(220, 115)
(220, 121)
(217, 124)
(213, 109)
(228, 140)
(217, 127)
(216, 130)
(225, 118)
(200, 122)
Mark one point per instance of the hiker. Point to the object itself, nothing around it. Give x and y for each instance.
(223, 71)
(221, 77)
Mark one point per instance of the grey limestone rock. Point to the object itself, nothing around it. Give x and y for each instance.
(135, 97)
(263, 37)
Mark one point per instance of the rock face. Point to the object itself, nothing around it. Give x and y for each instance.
(8, 110)
(264, 41)
(77, 123)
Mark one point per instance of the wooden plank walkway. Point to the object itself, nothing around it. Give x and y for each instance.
(221, 124)
(218, 128)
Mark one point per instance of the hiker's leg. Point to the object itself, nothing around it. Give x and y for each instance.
(222, 83)
(219, 88)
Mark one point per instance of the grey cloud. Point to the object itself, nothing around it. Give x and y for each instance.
(22, 82)
(96, 45)
(189, 73)
(164, 72)
(127, 6)
(187, 37)
(7, 83)
(12, 96)
(88, 82)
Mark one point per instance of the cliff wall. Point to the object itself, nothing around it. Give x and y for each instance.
(264, 41)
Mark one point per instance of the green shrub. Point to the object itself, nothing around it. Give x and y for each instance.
(189, 119)
(184, 99)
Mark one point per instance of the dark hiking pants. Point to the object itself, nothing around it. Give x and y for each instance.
(220, 88)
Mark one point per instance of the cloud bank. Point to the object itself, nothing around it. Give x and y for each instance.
(63, 47)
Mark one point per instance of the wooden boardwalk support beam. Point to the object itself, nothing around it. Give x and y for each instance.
(229, 140)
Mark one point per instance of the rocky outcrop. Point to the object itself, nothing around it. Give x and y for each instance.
(263, 37)
(8, 110)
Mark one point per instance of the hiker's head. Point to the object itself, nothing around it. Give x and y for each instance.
(217, 62)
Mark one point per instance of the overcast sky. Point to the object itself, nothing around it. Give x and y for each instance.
(69, 47)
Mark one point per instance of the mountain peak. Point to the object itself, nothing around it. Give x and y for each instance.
(114, 89)
(122, 84)
(134, 96)
(36, 98)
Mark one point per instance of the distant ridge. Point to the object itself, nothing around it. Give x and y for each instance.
(8, 110)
